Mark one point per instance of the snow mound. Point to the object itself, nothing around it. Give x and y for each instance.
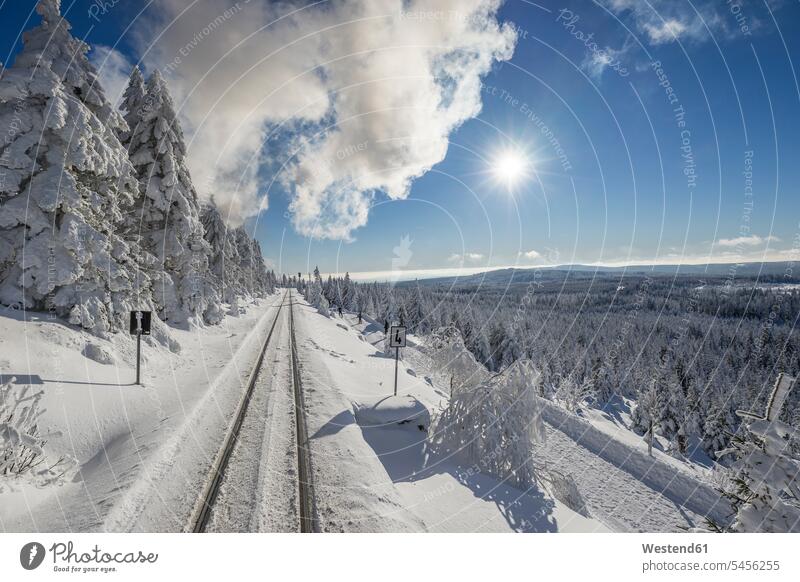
(393, 410)
(161, 335)
(98, 353)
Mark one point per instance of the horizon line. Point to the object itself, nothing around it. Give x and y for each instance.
(402, 275)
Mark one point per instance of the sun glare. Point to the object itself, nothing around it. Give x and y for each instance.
(509, 167)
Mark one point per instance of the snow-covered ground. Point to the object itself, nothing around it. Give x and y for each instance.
(142, 451)
(378, 478)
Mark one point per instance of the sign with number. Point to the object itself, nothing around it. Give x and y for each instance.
(397, 337)
(140, 322)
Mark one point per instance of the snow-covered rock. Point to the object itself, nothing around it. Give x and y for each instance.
(98, 353)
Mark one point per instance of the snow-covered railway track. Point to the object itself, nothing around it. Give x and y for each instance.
(306, 497)
(207, 500)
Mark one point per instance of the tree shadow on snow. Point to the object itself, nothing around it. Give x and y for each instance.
(37, 380)
(334, 425)
(405, 456)
(614, 409)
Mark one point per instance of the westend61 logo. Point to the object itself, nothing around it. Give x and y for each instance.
(66, 559)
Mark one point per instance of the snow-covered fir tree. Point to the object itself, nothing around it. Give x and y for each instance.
(134, 104)
(719, 425)
(315, 295)
(224, 260)
(167, 217)
(572, 392)
(764, 490)
(346, 293)
(247, 270)
(237, 267)
(86, 233)
(671, 411)
(67, 185)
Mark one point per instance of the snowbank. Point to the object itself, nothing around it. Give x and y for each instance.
(680, 487)
(393, 410)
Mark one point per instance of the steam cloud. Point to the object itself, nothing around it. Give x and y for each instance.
(368, 92)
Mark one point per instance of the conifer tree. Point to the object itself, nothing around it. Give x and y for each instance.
(167, 216)
(67, 185)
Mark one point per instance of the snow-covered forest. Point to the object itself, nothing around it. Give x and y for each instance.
(680, 355)
(98, 212)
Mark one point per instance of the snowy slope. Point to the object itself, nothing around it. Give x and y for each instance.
(141, 451)
(636, 491)
(378, 478)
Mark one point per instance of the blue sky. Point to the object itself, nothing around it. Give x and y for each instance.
(606, 153)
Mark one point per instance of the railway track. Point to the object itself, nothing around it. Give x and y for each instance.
(306, 498)
(232, 461)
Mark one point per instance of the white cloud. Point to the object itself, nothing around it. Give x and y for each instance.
(666, 30)
(113, 69)
(387, 81)
(665, 21)
(598, 61)
(465, 258)
(530, 254)
(747, 241)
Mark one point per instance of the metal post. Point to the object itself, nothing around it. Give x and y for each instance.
(138, 355)
(396, 359)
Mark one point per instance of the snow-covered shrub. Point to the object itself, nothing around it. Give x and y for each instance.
(451, 358)
(572, 392)
(494, 425)
(644, 412)
(214, 313)
(22, 444)
(763, 487)
(235, 307)
(563, 487)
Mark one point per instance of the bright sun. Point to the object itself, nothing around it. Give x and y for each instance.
(510, 166)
